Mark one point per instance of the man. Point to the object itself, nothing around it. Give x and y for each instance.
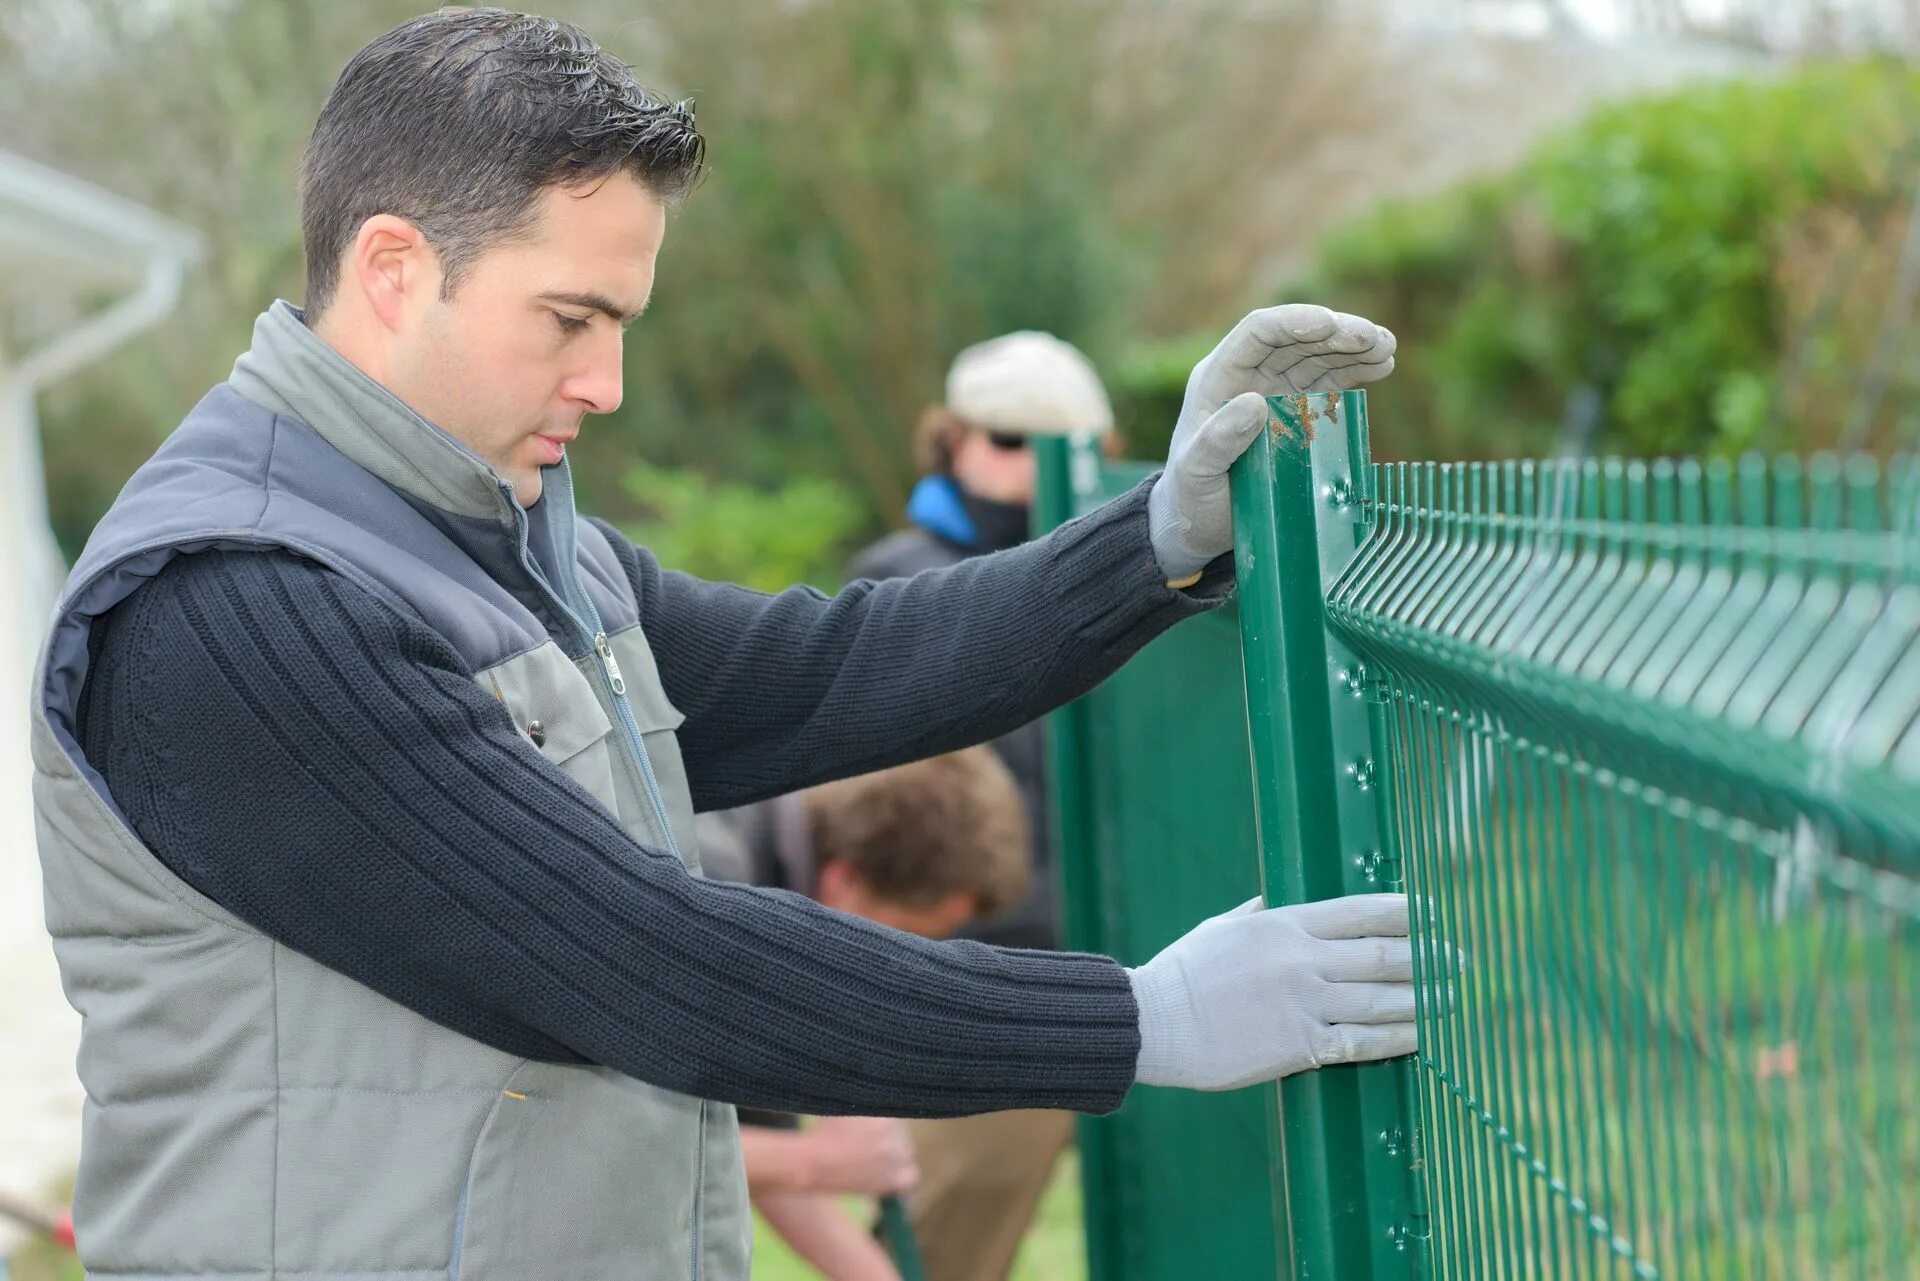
(924, 847)
(365, 772)
(986, 1173)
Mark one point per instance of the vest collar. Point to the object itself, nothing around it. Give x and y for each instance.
(290, 370)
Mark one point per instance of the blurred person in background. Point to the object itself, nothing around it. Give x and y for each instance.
(984, 1175)
(365, 767)
(925, 847)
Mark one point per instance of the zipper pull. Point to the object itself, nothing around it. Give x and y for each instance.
(608, 661)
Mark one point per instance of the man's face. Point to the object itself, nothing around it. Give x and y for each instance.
(530, 342)
(997, 466)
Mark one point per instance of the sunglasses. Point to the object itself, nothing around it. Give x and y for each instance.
(1006, 440)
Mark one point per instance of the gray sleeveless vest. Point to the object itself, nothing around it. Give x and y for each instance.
(253, 1114)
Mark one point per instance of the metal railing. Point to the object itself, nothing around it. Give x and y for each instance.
(1644, 740)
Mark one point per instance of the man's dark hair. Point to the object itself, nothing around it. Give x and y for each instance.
(458, 120)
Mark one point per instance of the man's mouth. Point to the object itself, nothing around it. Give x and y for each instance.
(553, 448)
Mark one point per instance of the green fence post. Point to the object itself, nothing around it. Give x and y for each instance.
(1067, 476)
(1061, 485)
(1349, 1194)
(1178, 1184)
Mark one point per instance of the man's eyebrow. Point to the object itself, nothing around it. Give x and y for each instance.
(594, 302)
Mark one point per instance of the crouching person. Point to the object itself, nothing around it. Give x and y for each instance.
(927, 848)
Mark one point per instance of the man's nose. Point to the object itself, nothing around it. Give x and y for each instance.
(598, 385)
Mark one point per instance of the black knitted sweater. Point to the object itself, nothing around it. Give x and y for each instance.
(327, 768)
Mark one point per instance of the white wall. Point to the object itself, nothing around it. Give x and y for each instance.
(39, 1032)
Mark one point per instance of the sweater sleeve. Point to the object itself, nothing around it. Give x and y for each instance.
(784, 691)
(326, 768)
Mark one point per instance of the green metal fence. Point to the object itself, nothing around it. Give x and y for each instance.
(1153, 806)
(1644, 740)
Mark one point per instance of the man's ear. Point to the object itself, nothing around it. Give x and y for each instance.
(838, 886)
(952, 913)
(394, 267)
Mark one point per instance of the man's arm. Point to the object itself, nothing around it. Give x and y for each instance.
(328, 769)
(838, 1155)
(784, 691)
(821, 1233)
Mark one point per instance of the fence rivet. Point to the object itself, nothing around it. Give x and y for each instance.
(1361, 772)
(1340, 493)
(1377, 866)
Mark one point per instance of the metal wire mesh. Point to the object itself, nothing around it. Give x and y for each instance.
(1652, 759)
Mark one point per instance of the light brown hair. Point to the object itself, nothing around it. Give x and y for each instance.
(935, 438)
(917, 833)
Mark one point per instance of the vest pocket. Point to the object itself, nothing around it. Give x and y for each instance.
(580, 1172)
(555, 709)
(579, 746)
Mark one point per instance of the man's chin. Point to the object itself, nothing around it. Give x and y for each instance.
(526, 487)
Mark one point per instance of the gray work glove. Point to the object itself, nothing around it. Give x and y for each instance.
(1274, 352)
(1258, 993)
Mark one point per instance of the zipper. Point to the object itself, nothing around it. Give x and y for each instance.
(610, 667)
(607, 660)
(594, 634)
(591, 629)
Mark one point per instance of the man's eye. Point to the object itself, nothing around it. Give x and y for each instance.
(570, 324)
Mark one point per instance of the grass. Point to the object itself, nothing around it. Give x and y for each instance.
(40, 1262)
(1685, 1044)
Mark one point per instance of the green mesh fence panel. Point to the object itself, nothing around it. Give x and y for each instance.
(1644, 740)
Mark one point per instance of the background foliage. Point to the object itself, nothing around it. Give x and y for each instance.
(888, 183)
(1719, 268)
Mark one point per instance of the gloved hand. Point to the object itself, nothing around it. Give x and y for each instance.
(1258, 993)
(1274, 352)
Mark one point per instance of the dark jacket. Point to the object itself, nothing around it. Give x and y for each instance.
(949, 527)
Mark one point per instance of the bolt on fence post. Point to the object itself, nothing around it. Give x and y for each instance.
(1350, 1196)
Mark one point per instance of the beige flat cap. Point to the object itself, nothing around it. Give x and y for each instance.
(1028, 383)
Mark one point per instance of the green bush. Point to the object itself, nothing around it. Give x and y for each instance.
(768, 538)
(1716, 265)
(888, 183)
